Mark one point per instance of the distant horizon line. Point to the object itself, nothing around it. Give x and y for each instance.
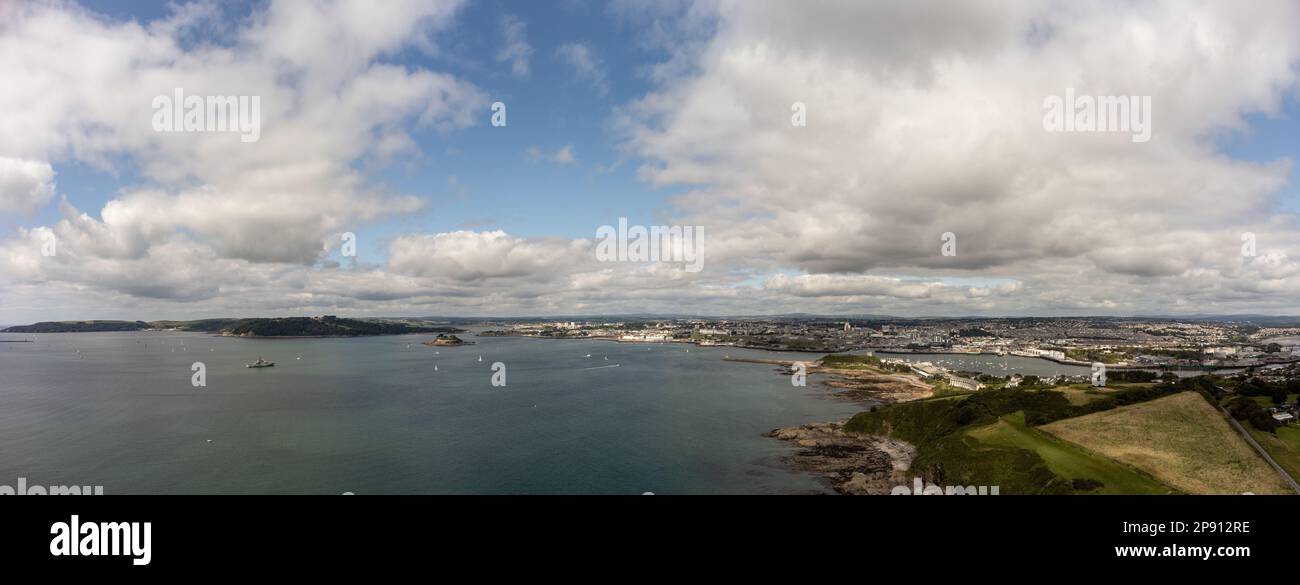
(833, 316)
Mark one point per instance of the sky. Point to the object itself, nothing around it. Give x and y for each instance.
(922, 181)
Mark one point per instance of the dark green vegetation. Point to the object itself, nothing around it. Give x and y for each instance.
(1243, 408)
(327, 326)
(1276, 391)
(948, 454)
(1246, 404)
(844, 361)
(1095, 355)
(78, 326)
(1135, 376)
(202, 325)
(1119, 354)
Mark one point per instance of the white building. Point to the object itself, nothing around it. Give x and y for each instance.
(1055, 354)
(1220, 352)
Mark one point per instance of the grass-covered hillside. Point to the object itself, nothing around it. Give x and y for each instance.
(994, 438)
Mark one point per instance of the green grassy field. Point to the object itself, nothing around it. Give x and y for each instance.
(946, 390)
(844, 361)
(1284, 447)
(1181, 440)
(1079, 396)
(1068, 460)
(1267, 401)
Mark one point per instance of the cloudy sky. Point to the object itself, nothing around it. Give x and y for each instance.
(376, 121)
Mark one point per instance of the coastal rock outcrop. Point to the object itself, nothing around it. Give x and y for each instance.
(853, 464)
(862, 386)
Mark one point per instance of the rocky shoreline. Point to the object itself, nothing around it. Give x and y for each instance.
(874, 387)
(867, 386)
(853, 464)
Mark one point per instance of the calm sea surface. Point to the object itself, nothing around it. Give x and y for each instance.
(371, 415)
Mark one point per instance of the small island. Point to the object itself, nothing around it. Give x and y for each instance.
(447, 341)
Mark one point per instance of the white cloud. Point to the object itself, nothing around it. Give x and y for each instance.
(857, 286)
(564, 156)
(586, 64)
(473, 256)
(920, 122)
(25, 185)
(325, 106)
(515, 49)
